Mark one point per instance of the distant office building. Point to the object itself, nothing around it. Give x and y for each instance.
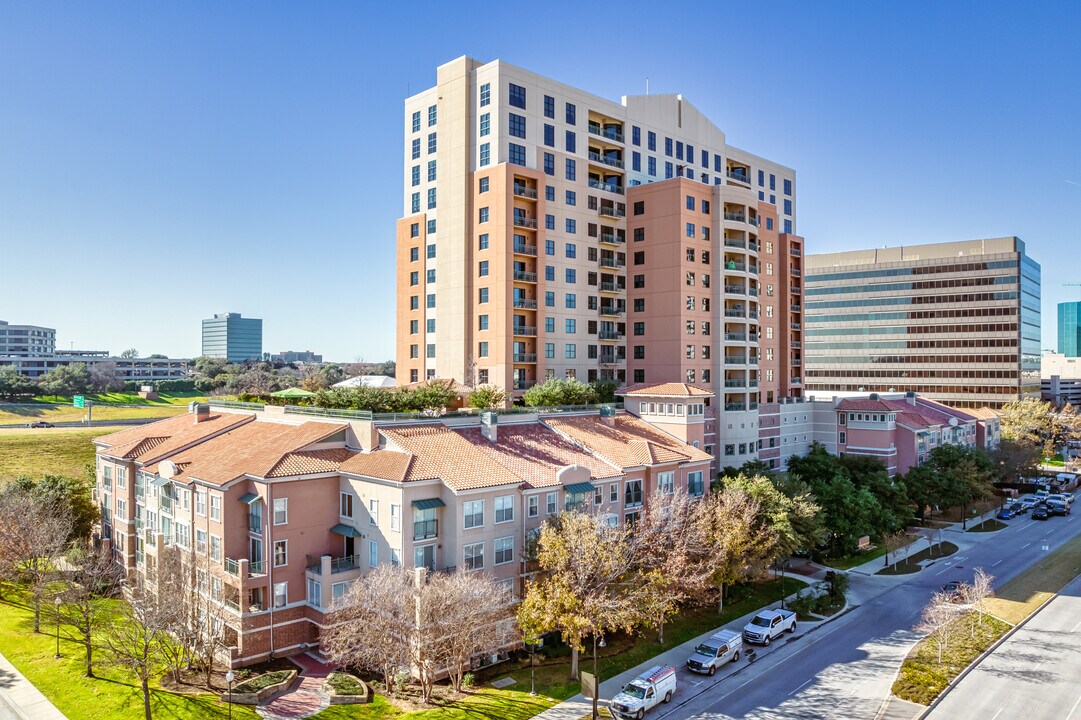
(1060, 375)
(124, 369)
(294, 356)
(955, 322)
(235, 338)
(1069, 329)
(26, 340)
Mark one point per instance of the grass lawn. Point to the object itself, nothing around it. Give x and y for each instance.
(59, 451)
(989, 525)
(1018, 598)
(624, 652)
(911, 563)
(121, 398)
(10, 414)
(850, 561)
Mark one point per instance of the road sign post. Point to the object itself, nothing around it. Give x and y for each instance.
(78, 401)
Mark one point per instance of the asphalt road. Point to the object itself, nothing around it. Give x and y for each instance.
(1033, 674)
(846, 668)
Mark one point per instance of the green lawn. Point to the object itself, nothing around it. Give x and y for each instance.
(624, 652)
(11, 414)
(911, 563)
(59, 451)
(121, 398)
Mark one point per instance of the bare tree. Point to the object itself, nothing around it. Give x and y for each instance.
(936, 620)
(383, 600)
(894, 542)
(85, 605)
(736, 538)
(33, 534)
(136, 640)
(976, 593)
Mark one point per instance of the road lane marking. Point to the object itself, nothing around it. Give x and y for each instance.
(1025, 545)
(942, 571)
(996, 563)
(1074, 629)
(800, 687)
(1070, 714)
(998, 713)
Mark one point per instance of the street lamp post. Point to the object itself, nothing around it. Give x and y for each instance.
(57, 627)
(229, 679)
(532, 670)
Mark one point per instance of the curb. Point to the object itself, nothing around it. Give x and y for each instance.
(7, 702)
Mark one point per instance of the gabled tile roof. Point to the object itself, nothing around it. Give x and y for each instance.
(628, 442)
(667, 390)
(984, 413)
(310, 462)
(439, 452)
(925, 413)
(146, 443)
(381, 464)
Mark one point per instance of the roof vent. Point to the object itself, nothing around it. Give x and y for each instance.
(873, 396)
(489, 425)
(201, 411)
(910, 397)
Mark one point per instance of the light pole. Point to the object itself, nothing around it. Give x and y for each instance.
(532, 670)
(57, 626)
(229, 679)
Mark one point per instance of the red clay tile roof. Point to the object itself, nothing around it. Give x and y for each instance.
(984, 413)
(146, 443)
(535, 454)
(667, 390)
(310, 462)
(381, 464)
(442, 453)
(629, 442)
(925, 413)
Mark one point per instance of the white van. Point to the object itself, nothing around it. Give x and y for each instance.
(721, 647)
(654, 686)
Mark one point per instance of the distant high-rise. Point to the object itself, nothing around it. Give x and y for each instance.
(957, 322)
(1069, 329)
(235, 338)
(26, 340)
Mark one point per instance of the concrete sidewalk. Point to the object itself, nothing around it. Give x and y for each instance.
(577, 706)
(18, 695)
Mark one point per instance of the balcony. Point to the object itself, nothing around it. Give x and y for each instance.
(612, 262)
(735, 242)
(753, 315)
(797, 381)
(606, 133)
(610, 310)
(257, 567)
(523, 276)
(525, 330)
(524, 358)
(337, 565)
(605, 160)
(610, 335)
(525, 192)
(425, 529)
(525, 222)
(606, 187)
(796, 362)
(735, 383)
(523, 249)
(797, 326)
(733, 265)
(752, 269)
(795, 272)
(521, 304)
(739, 176)
(611, 287)
(797, 308)
(611, 361)
(735, 359)
(735, 407)
(754, 221)
(523, 384)
(607, 212)
(736, 337)
(735, 314)
(736, 216)
(753, 292)
(796, 251)
(735, 290)
(612, 239)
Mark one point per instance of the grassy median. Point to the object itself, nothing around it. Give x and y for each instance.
(57, 451)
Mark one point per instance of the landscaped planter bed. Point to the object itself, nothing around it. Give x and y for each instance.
(260, 687)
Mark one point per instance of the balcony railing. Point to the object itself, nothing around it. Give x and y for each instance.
(738, 337)
(797, 326)
(425, 529)
(525, 304)
(795, 272)
(735, 290)
(257, 567)
(754, 221)
(612, 262)
(612, 238)
(523, 249)
(605, 160)
(753, 315)
(526, 192)
(796, 344)
(525, 357)
(738, 177)
(524, 276)
(753, 292)
(607, 133)
(733, 265)
(797, 380)
(797, 308)
(737, 216)
(735, 242)
(527, 330)
(525, 222)
(610, 310)
(796, 251)
(735, 360)
(752, 269)
(735, 406)
(523, 384)
(612, 211)
(611, 287)
(735, 383)
(610, 335)
(796, 363)
(735, 313)
(606, 187)
(232, 566)
(337, 565)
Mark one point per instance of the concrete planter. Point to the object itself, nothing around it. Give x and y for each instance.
(336, 699)
(254, 698)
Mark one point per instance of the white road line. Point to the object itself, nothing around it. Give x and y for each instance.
(1025, 545)
(1074, 629)
(942, 571)
(998, 713)
(800, 687)
(1069, 714)
(996, 563)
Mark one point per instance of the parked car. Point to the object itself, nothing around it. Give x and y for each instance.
(1040, 512)
(1057, 507)
(40, 424)
(721, 647)
(1008, 511)
(1061, 497)
(768, 625)
(954, 589)
(646, 691)
(1028, 501)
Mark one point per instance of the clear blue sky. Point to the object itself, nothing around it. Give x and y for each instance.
(160, 162)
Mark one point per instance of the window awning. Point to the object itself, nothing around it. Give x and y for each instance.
(580, 488)
(346, 530)
(161, 482)
(428, 503)
(248, 498)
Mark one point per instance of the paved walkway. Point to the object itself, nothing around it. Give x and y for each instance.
(20, 699)
(305, 697)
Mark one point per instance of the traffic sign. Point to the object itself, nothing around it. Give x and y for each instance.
(79, 401)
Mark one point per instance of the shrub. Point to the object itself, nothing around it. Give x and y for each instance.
(488, 397)
(469, 680)
(560, 391)
(803, 604)
(840, 584)
(346, 684)
(259, 682)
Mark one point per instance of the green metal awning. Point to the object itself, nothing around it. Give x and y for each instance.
(580, 488)
(161, 482)
(428, 504)
(347, 530)
(248, 498)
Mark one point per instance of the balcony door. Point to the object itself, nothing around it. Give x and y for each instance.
(350, 549)
(424, 556)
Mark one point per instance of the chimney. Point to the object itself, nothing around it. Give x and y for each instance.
(489, 425)
(608, 415)
(910, 397)
(201, 411)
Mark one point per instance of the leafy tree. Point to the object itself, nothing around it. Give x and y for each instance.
(792, 518)
(1027, 419)
(738, 533)
(560, 391)
(1014, 459)
(488, 397)
(14, 385)
(72, 495)
(605, 391)
(432, 395)
(65, 380)
(331, 373)
(157, 356)
(104, 377)
(964, 473)
(129, 354)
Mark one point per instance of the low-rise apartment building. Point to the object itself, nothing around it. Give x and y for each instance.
(281, 511)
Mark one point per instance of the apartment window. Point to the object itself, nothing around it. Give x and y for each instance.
(639, 376)
(550, 503)
(373, 553)
(315, 593)
(570, 351)
(431, 227)
(431, 198)
(482, 268)
(121, 510)
(632, 496)
(414, 201)
(517, 96)
(200, 503)
(473, 556)
(695, 487)
(482, 349)
(482, 295)
(639, 305)
(570, 300)
(570, 169)
(473, 513)
(516, 155)
(215, 548)
(281, 511)
(485, 124)
(432, 110)
(570, 114)
(431, 143)
(504, 550)
(482, 322)
(416, 149)
(651, 166)
(416, 121)
(841, 437)
(338, 590)
(532, 505)
(666, 483)
(570, 326)
(485, 154)
(787, 207)
(787, 187)
(550, 135)
(345, 505)
(572, 198)
(414, 278)
(485, 94)
(430, 275)
(571, 142)
(549, 298)
(549, 193)
(549, 350)
(690, 230)
(517, 126)
(549, 164)
(395, 517)
(788, 227)
(572, 226)
(430, 300)
(549, 106)
(281, 553)
(504, 508)
(215, 508)
(373, 511)
(281, 594)
(431, 171)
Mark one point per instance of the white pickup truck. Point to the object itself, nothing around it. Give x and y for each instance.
(768, 625)
(649, 689)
